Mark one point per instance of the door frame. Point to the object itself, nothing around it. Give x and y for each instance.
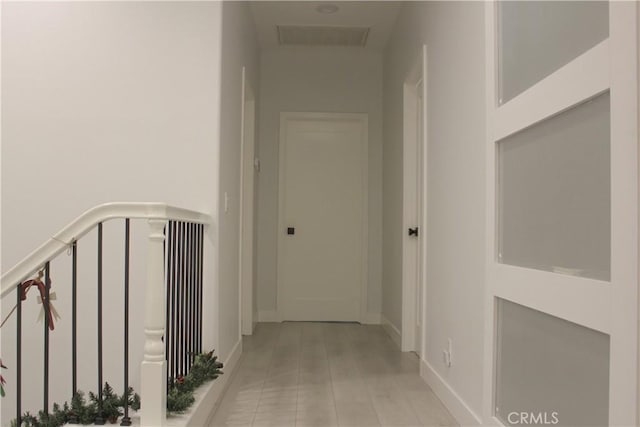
(410, 281)
(248, 317)
(363, 119)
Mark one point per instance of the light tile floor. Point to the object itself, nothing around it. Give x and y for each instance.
(327, 374)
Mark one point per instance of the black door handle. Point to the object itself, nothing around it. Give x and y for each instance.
(291, 231)
(413, 231)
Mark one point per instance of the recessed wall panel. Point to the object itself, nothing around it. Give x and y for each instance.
(550, 371)
(554, 193)
(537, 38)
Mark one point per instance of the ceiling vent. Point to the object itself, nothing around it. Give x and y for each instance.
(322, 36)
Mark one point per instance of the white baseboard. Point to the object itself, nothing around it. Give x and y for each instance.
(372, 319)
(391, 330)
(209, 396)
(272, 316)
(454, 403)
(268, 316)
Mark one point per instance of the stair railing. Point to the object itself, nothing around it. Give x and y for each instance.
(173, 298)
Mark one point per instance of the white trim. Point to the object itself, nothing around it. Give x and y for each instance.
(363, 118)
(268, 316)
(489, 361)
(241, 290)
(410, 281)
(638, 222)
(247, 208)
(372, 319)
(568, 86)
(391, 330)
(84, 223)
(623, 375)
(209, 396)
(364, 268)
(548, 292)
(425, 198)
(454, 403)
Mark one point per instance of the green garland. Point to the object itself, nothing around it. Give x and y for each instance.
(81, 412)
(206, 367)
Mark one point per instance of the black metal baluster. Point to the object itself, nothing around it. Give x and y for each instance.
(185, 359)
(19, 357)
(195, 289)
(189, 296)
(184, 366)
(185, 303)
(73, 419)
(176, 292)
(200, 270)
(179, 298)
(74, 317)
(167, 289)
(47, 309)
(188, 301)
(192, 301)
(197, 284)
(99, 418)
(126, 421)
(173, 298)
(167, 327)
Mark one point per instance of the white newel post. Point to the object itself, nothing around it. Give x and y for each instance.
(153, 376)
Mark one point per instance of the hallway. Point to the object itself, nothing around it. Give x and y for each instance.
(327, 374)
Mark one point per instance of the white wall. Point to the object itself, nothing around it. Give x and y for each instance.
(454, 35)
(316, 80)
(239, 48)
(102, 102)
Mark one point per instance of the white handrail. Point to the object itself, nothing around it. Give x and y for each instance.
(85, 223)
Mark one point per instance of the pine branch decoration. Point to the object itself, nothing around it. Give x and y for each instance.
(180, 397)
(206, 367)
(82, 412)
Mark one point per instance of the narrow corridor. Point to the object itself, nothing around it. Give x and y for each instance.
(327, 374)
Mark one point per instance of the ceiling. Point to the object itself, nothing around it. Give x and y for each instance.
(379, 16)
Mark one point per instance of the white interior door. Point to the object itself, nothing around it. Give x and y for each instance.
(322, 216)
(414, 208)
(562, 213)
(248, 303)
